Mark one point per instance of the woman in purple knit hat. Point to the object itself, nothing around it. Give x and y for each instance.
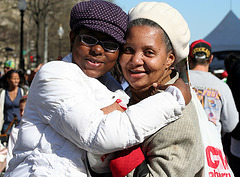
(65, 114)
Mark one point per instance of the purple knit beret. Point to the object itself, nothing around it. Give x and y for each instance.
(100, 16)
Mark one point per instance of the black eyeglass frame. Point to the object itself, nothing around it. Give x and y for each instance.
(102, 43)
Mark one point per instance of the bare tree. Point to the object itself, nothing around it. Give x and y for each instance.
(48, 14)
(8, 38)
(39, 10)
(41, 22)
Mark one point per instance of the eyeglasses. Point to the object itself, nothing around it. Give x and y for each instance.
(5, 67)
(91, 41)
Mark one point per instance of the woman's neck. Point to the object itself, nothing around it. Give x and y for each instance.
(12, 88)
(12, 92)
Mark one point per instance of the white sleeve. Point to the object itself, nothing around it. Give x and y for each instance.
(93, 131)
(68, 107)
(100, 163)
(229, 114)
(177, 94)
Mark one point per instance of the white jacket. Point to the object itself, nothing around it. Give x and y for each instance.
(63, 120)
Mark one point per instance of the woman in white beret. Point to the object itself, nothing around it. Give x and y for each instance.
(157, 39)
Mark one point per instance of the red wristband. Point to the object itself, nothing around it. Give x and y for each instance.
(119, 102)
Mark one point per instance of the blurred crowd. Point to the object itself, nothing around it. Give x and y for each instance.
(14, 86)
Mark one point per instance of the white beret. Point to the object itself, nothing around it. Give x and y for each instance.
(171, 21)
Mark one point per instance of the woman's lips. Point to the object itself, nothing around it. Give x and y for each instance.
(137, 73)
(93, 62)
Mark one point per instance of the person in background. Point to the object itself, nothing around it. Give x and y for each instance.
(31, 74)
(59, 58)
(6, 152)
(10, 96)
(23, 82)
(224, 76)
(232, 65)
(3, 156)
(8, 65)
(157, 39)
(26, 77)
(64, 118)
(214, 94)
(14, 133)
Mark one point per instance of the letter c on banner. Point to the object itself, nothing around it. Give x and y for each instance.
(211, 150)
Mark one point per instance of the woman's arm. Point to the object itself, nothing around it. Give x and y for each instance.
(112, 107)
(183, 87)
(68, 105)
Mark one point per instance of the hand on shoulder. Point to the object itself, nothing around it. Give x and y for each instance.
(181, 85)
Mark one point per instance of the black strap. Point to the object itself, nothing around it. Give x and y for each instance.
(141, 170)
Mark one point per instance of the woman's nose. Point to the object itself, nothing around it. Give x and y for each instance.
(97, 49)
(137, 59)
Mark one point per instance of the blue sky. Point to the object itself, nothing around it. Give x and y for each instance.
(202, 16)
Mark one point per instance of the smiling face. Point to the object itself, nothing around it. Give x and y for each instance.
(93, 60)
(14, 80)
(144, 58)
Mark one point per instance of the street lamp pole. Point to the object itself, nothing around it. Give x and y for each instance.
(59, 52)
(22, 5)
(60, 34)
